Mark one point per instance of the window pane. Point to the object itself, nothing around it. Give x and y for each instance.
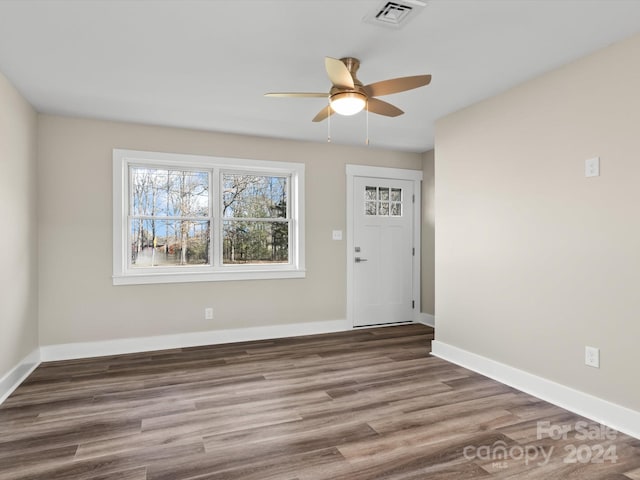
(160, 192)
(396, 194)
(384, 208)
(383, 193)
(254, 196)
(396, 209)
(370, 208)
(169, 242)
(371, 193)
(255, 242)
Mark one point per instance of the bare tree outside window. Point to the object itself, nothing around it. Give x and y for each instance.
(256, 219)
(169, 220)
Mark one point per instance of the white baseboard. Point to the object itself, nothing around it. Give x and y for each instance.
(18, 374)
(426, 319)
(620, 418)
(71, 351)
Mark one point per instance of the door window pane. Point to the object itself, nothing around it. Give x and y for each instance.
(370, 208)
(371, 193)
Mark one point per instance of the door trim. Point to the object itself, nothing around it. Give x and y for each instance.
(383, 173)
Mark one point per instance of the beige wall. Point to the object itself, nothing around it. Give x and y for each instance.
(77, 299)
(18, 235)
(427, 257)
(533, 260)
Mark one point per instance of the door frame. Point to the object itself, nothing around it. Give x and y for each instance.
(353, 171)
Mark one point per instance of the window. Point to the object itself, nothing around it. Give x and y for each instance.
(169, 219)
(188, 218)
(256, 219)
(383, 201)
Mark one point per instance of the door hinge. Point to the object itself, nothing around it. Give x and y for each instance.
(413, 251)
(413, 198)
(413, 304)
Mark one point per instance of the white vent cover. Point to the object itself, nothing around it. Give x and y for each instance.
(395, 14)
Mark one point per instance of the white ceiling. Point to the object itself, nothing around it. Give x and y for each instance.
(206, 64)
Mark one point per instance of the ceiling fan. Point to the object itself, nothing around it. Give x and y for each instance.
(348, 96)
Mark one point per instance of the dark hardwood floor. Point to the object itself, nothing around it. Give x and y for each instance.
(361, 405)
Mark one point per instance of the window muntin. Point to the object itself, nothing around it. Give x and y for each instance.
(176, 216)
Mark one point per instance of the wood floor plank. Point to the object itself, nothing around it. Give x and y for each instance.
(369, 404)
(633, 474)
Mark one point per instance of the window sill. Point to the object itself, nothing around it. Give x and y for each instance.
(190, 277)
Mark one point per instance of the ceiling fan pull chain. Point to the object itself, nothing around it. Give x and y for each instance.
(328, 123)
(367, 107)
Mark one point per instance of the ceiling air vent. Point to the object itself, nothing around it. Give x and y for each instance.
(395, 14)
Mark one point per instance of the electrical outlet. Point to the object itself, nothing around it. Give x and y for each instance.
(592, 356)
(208, 313)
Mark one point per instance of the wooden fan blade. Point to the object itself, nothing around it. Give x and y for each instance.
(338, 73)
(297, 94)
(322, 114)
(396, 85)
(383, 108)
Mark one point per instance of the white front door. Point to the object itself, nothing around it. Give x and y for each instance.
(383, 251)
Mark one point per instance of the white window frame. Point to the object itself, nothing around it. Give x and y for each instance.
(124, 274)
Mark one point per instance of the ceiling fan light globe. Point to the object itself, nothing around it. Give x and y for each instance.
(348, 103)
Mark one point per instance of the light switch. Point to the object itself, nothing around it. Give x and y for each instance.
(337, 235)
(592, 167)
